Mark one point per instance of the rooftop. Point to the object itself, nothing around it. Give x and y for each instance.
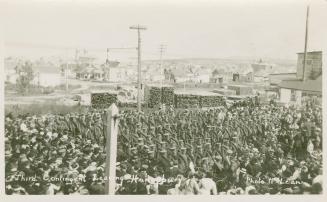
(285, 73)
(261, 74)
(311, 52)
(308, 85)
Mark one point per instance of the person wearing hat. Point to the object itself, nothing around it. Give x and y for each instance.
(97, 154)
(241, 180)
(142, 149)
(198, 155)
(166, 137)
(173, 169)
(163, 145)
(172, 155)
(183, 160)
(151, 162)
(163, 162)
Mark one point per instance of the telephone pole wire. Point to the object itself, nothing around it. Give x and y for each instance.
(138, 28)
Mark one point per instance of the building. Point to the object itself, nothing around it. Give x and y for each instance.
(241, 89)
(243, 77)
(277, 78)
(261, 66)
(117, 74)
(216, 79)
(90, 73)
(236, 77)
(246, 77)
(180, 75)
(260, 77)
(292, 91)
(313, 67)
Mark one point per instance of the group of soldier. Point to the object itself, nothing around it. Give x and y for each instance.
(173, 151)
(225, 142)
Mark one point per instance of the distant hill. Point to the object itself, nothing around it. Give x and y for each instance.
(230, 59)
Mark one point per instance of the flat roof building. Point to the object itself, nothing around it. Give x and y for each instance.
(313, 67)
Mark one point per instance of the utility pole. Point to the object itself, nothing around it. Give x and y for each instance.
(38, 79)
(76, 55)
(162, 49)
(138, 28)
(107, 60)
(66, 77)
(305, 42)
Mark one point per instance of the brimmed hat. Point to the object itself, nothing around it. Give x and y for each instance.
(150, 152)
(145, 166)
(243, 170)
(152, 146)
(229, 151)
(64, 138)
(218, 157)
(163, 151)
(172, 148)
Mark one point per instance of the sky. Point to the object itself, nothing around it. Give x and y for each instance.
(206, 29)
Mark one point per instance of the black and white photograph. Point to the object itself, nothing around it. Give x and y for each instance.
(163, 97)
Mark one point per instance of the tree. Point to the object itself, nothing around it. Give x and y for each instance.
(25, 76)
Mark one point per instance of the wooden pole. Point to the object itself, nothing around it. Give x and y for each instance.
(66, 77)
(111, 132)
(139, 70)
(139, 63)
(305, 42)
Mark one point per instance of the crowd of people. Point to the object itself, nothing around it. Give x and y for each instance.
(246, 148)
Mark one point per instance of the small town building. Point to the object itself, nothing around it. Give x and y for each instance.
(241, 89)
(292, 91)
(277, 78)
